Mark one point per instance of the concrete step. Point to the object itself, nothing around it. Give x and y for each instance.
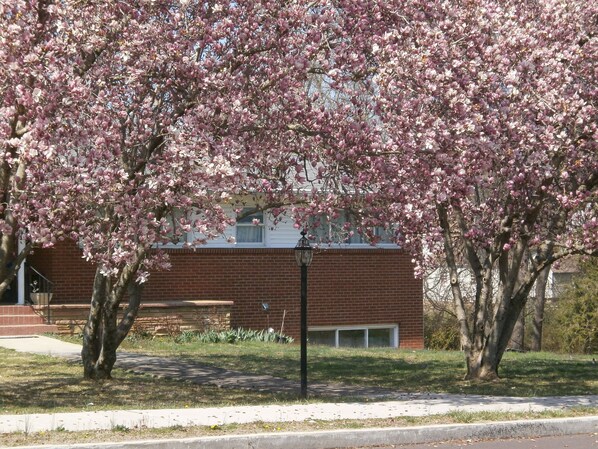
(23, 320)
(13, 320)
(27, 329)
(16, 310)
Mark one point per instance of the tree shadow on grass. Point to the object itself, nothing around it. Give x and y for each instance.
(399, 374)
(521, 375)
(37, 384)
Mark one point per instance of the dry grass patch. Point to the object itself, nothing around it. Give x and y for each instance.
(38, 384)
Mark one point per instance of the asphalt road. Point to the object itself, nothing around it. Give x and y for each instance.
(588, 441)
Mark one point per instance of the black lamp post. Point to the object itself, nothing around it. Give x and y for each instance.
(303, 256)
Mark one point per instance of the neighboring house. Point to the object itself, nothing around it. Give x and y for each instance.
(561, 276)
(437, 288)
(358, 294)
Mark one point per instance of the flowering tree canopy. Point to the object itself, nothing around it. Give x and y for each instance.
(489, 119)
(131, 123)
(34, 55)
(471, 126)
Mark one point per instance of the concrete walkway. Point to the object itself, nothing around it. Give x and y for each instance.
(223, 378)
(396, 403)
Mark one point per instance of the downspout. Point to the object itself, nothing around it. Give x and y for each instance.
(21, 276)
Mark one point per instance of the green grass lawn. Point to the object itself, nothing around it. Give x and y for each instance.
(528, 374)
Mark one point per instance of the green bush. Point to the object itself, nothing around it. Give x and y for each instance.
(575, 321)
(441, 330)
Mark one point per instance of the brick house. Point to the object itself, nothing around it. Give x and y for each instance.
(358, 295)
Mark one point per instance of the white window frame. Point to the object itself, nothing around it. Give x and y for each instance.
(344, 217)
(262, 226)
(185, 238)
(394, 338)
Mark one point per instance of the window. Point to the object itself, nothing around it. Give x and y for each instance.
(380, 338)
(352, 338)
(326, 338)
(341, 229)
(176, 223)
(560, 282)
(250, 228)
(370, 336)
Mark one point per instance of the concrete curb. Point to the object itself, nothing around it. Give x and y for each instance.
(362, 437)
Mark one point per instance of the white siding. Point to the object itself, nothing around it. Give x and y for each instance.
(221, 241)
(283, 235)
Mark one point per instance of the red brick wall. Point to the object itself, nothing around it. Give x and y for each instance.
(71, 275)
(345, 287)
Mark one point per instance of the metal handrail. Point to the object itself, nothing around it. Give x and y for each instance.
(40, 284)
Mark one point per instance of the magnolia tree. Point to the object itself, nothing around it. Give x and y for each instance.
(473, 126)
(34, 58)
(488, 115)
(155, 114)
(92, 154)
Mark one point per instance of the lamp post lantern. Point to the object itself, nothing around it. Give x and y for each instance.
(303, 256)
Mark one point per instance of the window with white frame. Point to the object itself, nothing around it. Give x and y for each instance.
(369, 336)
(250, 227)
(176, 222)
(341, 229)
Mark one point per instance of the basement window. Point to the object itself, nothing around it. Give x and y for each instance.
(367, 336)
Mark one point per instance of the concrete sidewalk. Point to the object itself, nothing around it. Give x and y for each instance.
(397, 404)
(38, 344)
(412, 405)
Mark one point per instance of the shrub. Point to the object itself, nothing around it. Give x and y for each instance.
(576, 312)
(233, 336)
(441, 330)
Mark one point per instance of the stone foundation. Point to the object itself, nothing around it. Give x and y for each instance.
(156, 318)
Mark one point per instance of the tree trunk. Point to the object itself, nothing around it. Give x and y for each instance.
(539, 303)
(10, 265)
(100, 336)
(130, 314)
(482, 365)
(103, 333)
(107, 357)
(92, 333)
(11, 179)
(518, 338)
(7, 255)
(483, 362)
